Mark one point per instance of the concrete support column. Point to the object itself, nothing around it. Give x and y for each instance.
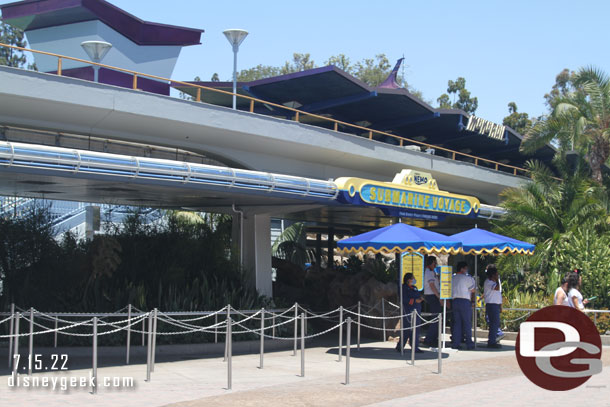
(92, 221)
(257, 251)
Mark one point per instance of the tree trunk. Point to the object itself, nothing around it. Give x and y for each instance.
(598, 155)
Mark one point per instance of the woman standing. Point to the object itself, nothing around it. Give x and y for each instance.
(411, 301)
(492, 290)
(561, 293)
(574, 296)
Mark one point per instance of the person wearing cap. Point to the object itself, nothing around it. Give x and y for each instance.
(411, 301)
(492, 291)
(463, 287)
(432, 297)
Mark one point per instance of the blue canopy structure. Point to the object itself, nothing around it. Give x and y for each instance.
(480, 241)
(400, 237)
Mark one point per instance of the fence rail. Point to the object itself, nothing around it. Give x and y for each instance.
(298, 115)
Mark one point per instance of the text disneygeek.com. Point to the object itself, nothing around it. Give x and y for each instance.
(65, 383)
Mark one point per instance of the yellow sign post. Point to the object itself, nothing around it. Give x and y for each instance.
(446, 280)
(413, 263)
(446, 273)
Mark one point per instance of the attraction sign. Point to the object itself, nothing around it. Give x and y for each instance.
(446, 280)
(412, 194)
(487, 128)
(413, 263)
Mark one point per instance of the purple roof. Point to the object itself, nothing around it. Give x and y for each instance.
(34, 14)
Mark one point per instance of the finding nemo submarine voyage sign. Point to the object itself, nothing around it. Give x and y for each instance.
(411, 194)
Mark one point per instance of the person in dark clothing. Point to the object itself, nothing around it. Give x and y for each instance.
(411, 301)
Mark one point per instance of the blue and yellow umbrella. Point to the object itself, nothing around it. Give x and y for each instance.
(480, 241)
(400, 238)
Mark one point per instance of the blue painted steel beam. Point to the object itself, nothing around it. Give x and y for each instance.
(330, 103)
(388, 124)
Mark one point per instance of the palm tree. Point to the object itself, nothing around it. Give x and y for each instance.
(580, 121)
(548, 212)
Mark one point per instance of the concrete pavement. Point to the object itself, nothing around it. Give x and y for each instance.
(379, 377)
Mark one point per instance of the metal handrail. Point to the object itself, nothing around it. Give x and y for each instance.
(298, 113)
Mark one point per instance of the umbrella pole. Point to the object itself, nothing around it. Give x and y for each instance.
(476, 294)
(444, 321)
(401, 344)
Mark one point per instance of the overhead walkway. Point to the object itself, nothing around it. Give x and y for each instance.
(235, 138)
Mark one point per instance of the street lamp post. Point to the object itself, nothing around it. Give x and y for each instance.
(235, 37)
(96, 50)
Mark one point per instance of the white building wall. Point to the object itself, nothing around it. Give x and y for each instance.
(66, 40)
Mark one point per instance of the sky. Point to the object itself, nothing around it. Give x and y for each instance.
(506, 50)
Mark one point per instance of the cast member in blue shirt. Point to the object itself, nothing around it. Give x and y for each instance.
(411, 301)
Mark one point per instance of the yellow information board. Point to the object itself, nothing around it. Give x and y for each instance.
(413, 263)
(446, 280)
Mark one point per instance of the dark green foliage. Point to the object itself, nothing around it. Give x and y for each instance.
(520, 122)
(173, 264)
(12, 36)
(568, 220)
(461, 97)
(579, 119)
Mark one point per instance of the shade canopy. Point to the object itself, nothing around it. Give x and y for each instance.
(400, 238)
(480, 241)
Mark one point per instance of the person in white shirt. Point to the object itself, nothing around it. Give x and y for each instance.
(575, 299)
(561, 293)
(462, 290)
(492, 291)
(432, 297)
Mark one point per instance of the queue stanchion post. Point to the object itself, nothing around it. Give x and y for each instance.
(149, 349)
(216, 328)
(16, 344)
(55, 334)
(128, 333)
(229, 342)
(303, 344)
(413, 339)
(154, 341)
(340, 333)
(226, 336)
(347, 349)
(143, 330)
(440, 343)
(94, 361)
(31, 342)
(262, 337)
(273, 324)
(383, 320)
(296, 327)
(359, 309)
(10, 339)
